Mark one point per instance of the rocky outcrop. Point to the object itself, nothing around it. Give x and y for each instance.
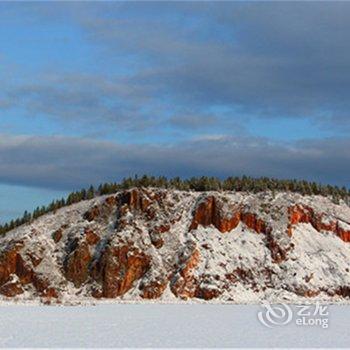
(304, 214)
(209, 212)
(92, 214)
(185, 284)
(154, 289)
(11, 289)
(253, 222)
(91, 237)
(8, 261)
(135, 200)
(57, 235)
(118, 269)
(13, 267)
(77, 264)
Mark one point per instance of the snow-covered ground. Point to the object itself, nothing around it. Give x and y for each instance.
(162, 325)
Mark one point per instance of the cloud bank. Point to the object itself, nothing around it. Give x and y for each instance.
(69, 163)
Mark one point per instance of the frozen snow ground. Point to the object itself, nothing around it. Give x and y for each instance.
(161, 325)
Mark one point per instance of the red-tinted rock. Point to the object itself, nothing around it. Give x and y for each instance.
(92, 214)
(119, 268)
(8, 260)
(11, 289)
(303, 214)
(23, 271)
(97, 293)
(36, 260)
(209, 212)
(57, 235)
(207, 293)
(278, 254)
(135, 199)
(111, 201)
(156, 239)
(204, 213)
(343, 291)
(154, 289)
(77, 264)
(162, 228)
(91, 237)
(253, 222)
(343, 234)
(43, 287)
(185, 286)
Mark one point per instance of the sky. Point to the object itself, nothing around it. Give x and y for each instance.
(97, 91)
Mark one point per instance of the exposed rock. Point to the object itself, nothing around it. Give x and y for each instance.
(207, 293)
(23, 271)
(278, 254)
(204, 213)
(209, 212)
(77, 264)
(35, 260)
(92, 214)
(156, 239)
(135, 199)
(8, 261)
(162, 228)
(253, 222)
(343, 291)
(185, 284)
(91, 237)
(111, 201)
(57, 235)
(304, 214)
(11, 289)
(154, 289)
(43, 287)
(119, 268)
(343, 234)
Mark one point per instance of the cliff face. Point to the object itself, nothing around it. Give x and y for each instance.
(171, 245)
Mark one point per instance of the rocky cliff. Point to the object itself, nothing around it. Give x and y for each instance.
(169, 245)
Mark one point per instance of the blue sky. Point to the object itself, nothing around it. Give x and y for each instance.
(96, 91)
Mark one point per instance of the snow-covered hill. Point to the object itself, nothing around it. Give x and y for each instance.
(167, 245)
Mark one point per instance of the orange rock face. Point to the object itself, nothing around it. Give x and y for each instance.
(119, 268)
(343, 234)
(253, 222)
(186, 285)
(204, 213)
(77, 263)
(8, 263)
(91, 237)
(303, 214)
(23, 271)
(208, 212)
(11, 262)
